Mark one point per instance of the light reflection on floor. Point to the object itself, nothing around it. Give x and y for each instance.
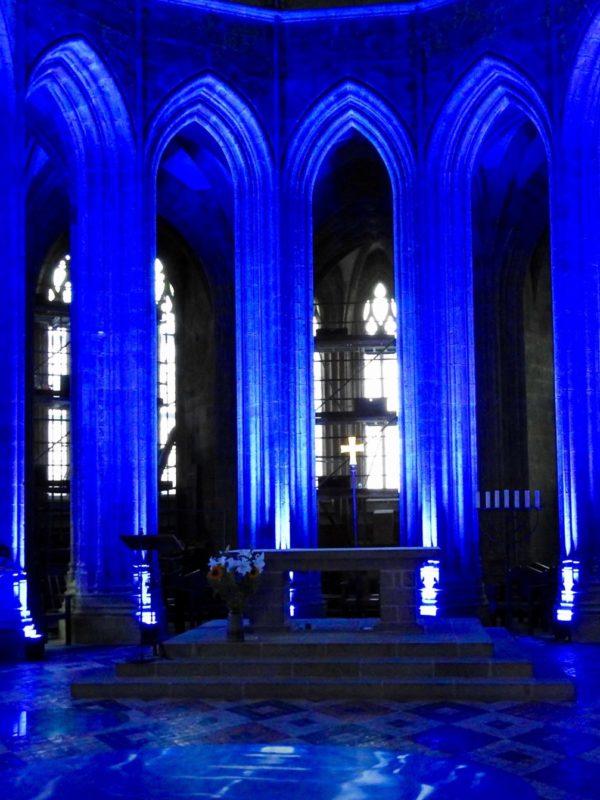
(346, 750)
(241, 772)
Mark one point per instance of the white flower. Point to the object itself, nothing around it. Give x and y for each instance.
(240, 562)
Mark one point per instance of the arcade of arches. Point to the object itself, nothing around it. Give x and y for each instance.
(231, 243)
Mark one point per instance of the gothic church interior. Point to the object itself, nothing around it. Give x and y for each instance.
(237, 234)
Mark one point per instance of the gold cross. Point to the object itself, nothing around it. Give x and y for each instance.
(352, 448)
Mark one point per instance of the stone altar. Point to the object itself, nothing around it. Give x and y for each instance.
(397, 567)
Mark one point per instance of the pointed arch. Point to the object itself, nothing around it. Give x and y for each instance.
(232, 125)
(85, 119)
(348, 106)
(492, 88)
(227, 118)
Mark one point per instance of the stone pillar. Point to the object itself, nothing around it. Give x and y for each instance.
(113, 398)
(448, 395)
(73, 100)
(575, 208)
(13, 594)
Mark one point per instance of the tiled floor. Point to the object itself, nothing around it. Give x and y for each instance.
(553, 747)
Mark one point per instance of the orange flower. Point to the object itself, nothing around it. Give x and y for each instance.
(216, 572)
(254, 573)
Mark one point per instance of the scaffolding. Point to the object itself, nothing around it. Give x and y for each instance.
(356, 394)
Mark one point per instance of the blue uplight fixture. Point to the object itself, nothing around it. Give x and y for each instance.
(32, 641)
(29, 630)
(146, 612)
(429, 590)
(292, 592)
(569, 579)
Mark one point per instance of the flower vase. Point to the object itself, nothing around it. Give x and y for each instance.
(235, 626)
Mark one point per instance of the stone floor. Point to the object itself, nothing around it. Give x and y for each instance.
(52, 746)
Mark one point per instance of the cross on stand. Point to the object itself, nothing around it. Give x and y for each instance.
(352, 449)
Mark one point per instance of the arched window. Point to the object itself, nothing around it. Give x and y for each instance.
(319, 397)
(48, 542)
(167, 381)
(380, 382)
(52, 377)
(379, 313)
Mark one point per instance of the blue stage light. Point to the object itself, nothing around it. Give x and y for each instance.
(569, 576)
(429, 588)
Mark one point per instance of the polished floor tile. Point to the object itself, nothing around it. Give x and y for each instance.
(245, 772)
(343, 750)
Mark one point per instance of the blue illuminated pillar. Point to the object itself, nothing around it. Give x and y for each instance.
(297, 358)
(575, 213)
(478, 104)
(13, 594)
(262, 518)
(276, 527)
(113, 322)
(448, 397)
(113, 477)
(297, 391)
(447, 335)
(574, 451)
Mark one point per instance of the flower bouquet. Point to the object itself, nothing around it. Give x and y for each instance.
(234, 576)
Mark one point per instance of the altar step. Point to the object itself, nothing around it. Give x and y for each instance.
(452, 660)
(343, 668)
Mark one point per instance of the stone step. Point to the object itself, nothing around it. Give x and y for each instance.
(330, 648)
(401, 689)
(364, 667)
(451, 660)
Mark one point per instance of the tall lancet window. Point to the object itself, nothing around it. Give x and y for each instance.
(319, 397)
(48, 541)
(167, 392)
(380, 376)
(52, 378)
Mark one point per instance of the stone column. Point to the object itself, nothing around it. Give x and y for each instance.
(448, 395)
(73, 100)
(113, 406)
(575, 209)
(13, 594)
